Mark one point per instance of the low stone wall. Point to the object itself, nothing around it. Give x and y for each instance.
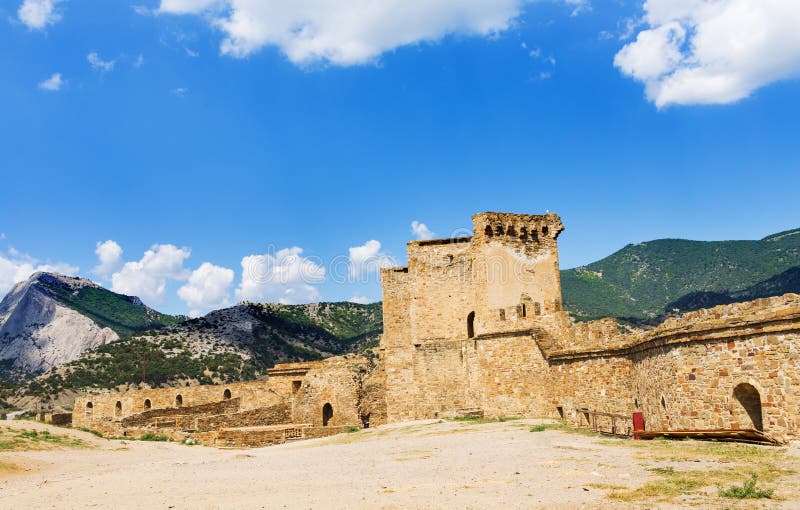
(266, 436)
(274, 415)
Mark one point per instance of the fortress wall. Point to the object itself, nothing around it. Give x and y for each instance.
(335, 382)
(442, 293)
(509, 376)
(440, 379)
(707, 366)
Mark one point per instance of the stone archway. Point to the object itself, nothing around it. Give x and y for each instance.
(327, 414)
(118, 409)
(750, 399)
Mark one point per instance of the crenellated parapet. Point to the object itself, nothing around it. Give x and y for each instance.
(524, 228)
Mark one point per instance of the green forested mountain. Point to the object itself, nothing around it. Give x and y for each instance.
(646, 280)
(231, 344)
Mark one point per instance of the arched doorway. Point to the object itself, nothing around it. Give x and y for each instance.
(471, 325)
(227, 394)
(118, 408)
(747, 395)
(89, 408)
(327, 414)
(148, 404)
(178, 400)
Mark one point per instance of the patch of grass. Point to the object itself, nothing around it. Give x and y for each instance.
(606, 486)
(664, 489)
(24, 440)
(91, 431)
(747, 491)
(152, 436)
(352, 429)
(539, 428)
(669, 470)
(563, 428)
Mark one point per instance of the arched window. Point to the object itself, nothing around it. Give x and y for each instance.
(488, 231)
(747, 395)
(227, 394)
(327, 414)
(118, 408)
(147, 403)
(471, 325)
(178, 401)
(89, 408)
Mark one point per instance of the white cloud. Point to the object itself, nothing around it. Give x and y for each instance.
(98, 64)
(345, 32)
(180, 91)
(147, 278)
(109, 256)
(139, 62)
(368, 259)
(16, 267)
(53, 83)
(361, 300)
(207, 289)
(287, 277)
(713, 51)
(421, 231)
(37, 14)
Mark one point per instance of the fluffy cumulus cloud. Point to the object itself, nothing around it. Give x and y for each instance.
(207, 289)
(346, 32)
(285, 276)
(37, 14)
(109, 257)
(421, 231)
(360, 300)
(53, 83)
(147, 278)
(16, 267)
(712, 51)
(367, 259)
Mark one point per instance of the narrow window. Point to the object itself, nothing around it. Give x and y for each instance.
(327, 414)
(89, 408)
(118, 408)
(560, 412)
(147, 403)
(296, 386)
(227, 394)
(524, 310)
(663, 402)
(537, 308)
(178, 401)
(545, 230)
(471, 325)
(488, 231)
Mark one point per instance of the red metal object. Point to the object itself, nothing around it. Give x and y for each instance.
(638, 424)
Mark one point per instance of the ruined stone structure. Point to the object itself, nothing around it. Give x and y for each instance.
(474, 325)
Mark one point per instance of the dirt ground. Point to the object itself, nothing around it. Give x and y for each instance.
(430, 464)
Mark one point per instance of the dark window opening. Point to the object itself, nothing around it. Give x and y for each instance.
(663, 402)
(747, 395)
(89, 408)
(147, 404)
(524, 310)
(560, 412)
(545, 230)
(488, 231)
(178, 400)
(502, 314)
(636, 403)
(227, 394)
(327, 414)
(296, 386)
(511, 230)
(537, 308)
(471, 325)
(118, 408)
(499, 230)
(365, 420)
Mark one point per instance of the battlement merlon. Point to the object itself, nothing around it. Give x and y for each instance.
(523, 226)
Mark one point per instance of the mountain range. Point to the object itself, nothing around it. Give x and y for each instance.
(59, 334)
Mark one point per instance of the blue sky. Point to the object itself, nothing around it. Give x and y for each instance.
(172, 127)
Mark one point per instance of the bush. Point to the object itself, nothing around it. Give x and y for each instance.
(747, 491)
(151, 436)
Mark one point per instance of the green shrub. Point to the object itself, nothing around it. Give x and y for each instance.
(152, 436)
(747, 491)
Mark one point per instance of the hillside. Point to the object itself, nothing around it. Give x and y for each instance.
(646, 280)
(51, 319)
(236, 343)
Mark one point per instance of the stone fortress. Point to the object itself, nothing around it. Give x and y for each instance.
(474, 326)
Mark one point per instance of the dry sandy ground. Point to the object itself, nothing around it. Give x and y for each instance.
(413, 465)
